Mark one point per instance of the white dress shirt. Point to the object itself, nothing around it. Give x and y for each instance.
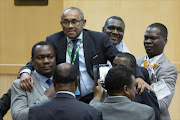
(86, 82)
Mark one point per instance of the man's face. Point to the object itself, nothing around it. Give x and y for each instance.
(115, 30)
(132, 89)
(154, 42)
(121, 61)
(44, 60)
(72, 24)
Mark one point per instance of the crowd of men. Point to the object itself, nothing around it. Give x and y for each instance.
(58, 82)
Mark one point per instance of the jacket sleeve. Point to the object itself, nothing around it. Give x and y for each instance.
(5, 102)
(19, 102)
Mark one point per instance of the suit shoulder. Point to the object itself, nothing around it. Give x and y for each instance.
(54, 36)
(95, 33)
(139, 60)
(143, 107)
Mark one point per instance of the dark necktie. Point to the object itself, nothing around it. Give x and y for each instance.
(76, 63)
(49, 82)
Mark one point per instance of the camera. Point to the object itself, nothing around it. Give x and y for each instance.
(100, 71)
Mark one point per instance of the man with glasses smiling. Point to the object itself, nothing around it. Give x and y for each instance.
(78, 46)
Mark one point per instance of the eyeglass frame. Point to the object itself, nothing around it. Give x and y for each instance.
(68, 22)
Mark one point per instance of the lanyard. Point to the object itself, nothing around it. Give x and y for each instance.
(76, 52)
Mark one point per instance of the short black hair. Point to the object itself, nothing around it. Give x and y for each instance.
(131, 58)
(117, 77)
(41, 43)
(162, 28)
(65, 73)
(114, 17)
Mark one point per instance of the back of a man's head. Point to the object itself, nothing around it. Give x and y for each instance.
(65, 73)
(117, 79)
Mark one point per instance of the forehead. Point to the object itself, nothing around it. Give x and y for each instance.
(152, 31)
(122, 61)
(115, 22)
(70, 14)
(43, 50)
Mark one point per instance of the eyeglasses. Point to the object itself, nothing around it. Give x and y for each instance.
(73, 22)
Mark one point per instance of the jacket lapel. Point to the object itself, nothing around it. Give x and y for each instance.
(160, 60)
(62, 45)
(87, 49)
(37, 83)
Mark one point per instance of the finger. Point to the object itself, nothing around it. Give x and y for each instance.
(142, 89)
(138, 88)
(148, 87)
(27, 86)
(99, 83)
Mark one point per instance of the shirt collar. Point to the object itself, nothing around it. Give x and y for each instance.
(79, 37)
(154, 59)
(67, 92)
(42, 78)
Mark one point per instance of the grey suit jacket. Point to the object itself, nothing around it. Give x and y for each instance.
(167, 71)
(122, 108)
(21, 100)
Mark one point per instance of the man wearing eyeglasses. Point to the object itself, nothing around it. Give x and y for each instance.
(88, 48)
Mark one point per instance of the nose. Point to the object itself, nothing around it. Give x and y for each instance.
(70, 25)
(115, 31)
(148, 40)
(46, 60)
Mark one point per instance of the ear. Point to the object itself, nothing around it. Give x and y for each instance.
(165, 41)
(84, 22)
(32, 60)
(61, 23)
(126, 91)
(103, 29)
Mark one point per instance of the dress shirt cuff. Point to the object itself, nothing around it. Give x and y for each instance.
(24, 71)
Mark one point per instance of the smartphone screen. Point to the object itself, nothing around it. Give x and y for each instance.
(103, 70)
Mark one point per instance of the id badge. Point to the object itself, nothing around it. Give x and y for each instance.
(161, 90)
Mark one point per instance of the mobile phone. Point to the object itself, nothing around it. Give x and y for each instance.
(96, 74)
(103, 70)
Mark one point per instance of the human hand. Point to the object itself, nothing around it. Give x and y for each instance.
(26, 82)
(141, 84)
(98, 91)
(50, 92)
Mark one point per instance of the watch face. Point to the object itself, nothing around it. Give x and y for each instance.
(30, 2)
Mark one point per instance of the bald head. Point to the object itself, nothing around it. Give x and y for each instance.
(65, 73)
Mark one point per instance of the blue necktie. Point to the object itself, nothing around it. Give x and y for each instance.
(49, 82)
(76, 63)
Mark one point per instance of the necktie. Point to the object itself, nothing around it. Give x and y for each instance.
(49, 82)
(76, 63)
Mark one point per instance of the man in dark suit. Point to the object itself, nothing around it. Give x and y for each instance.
(92, 48)
(64, 106)
(5, 104)
(148, 98)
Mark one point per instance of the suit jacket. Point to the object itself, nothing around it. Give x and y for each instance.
(21, 100)
(122, 108)
(64, 106)
(5, 102)
(97, 49)
(167, 71)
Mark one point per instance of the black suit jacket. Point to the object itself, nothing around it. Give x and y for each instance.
(64, 107)
(5, 102)
(97, 49)
(147, 98)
